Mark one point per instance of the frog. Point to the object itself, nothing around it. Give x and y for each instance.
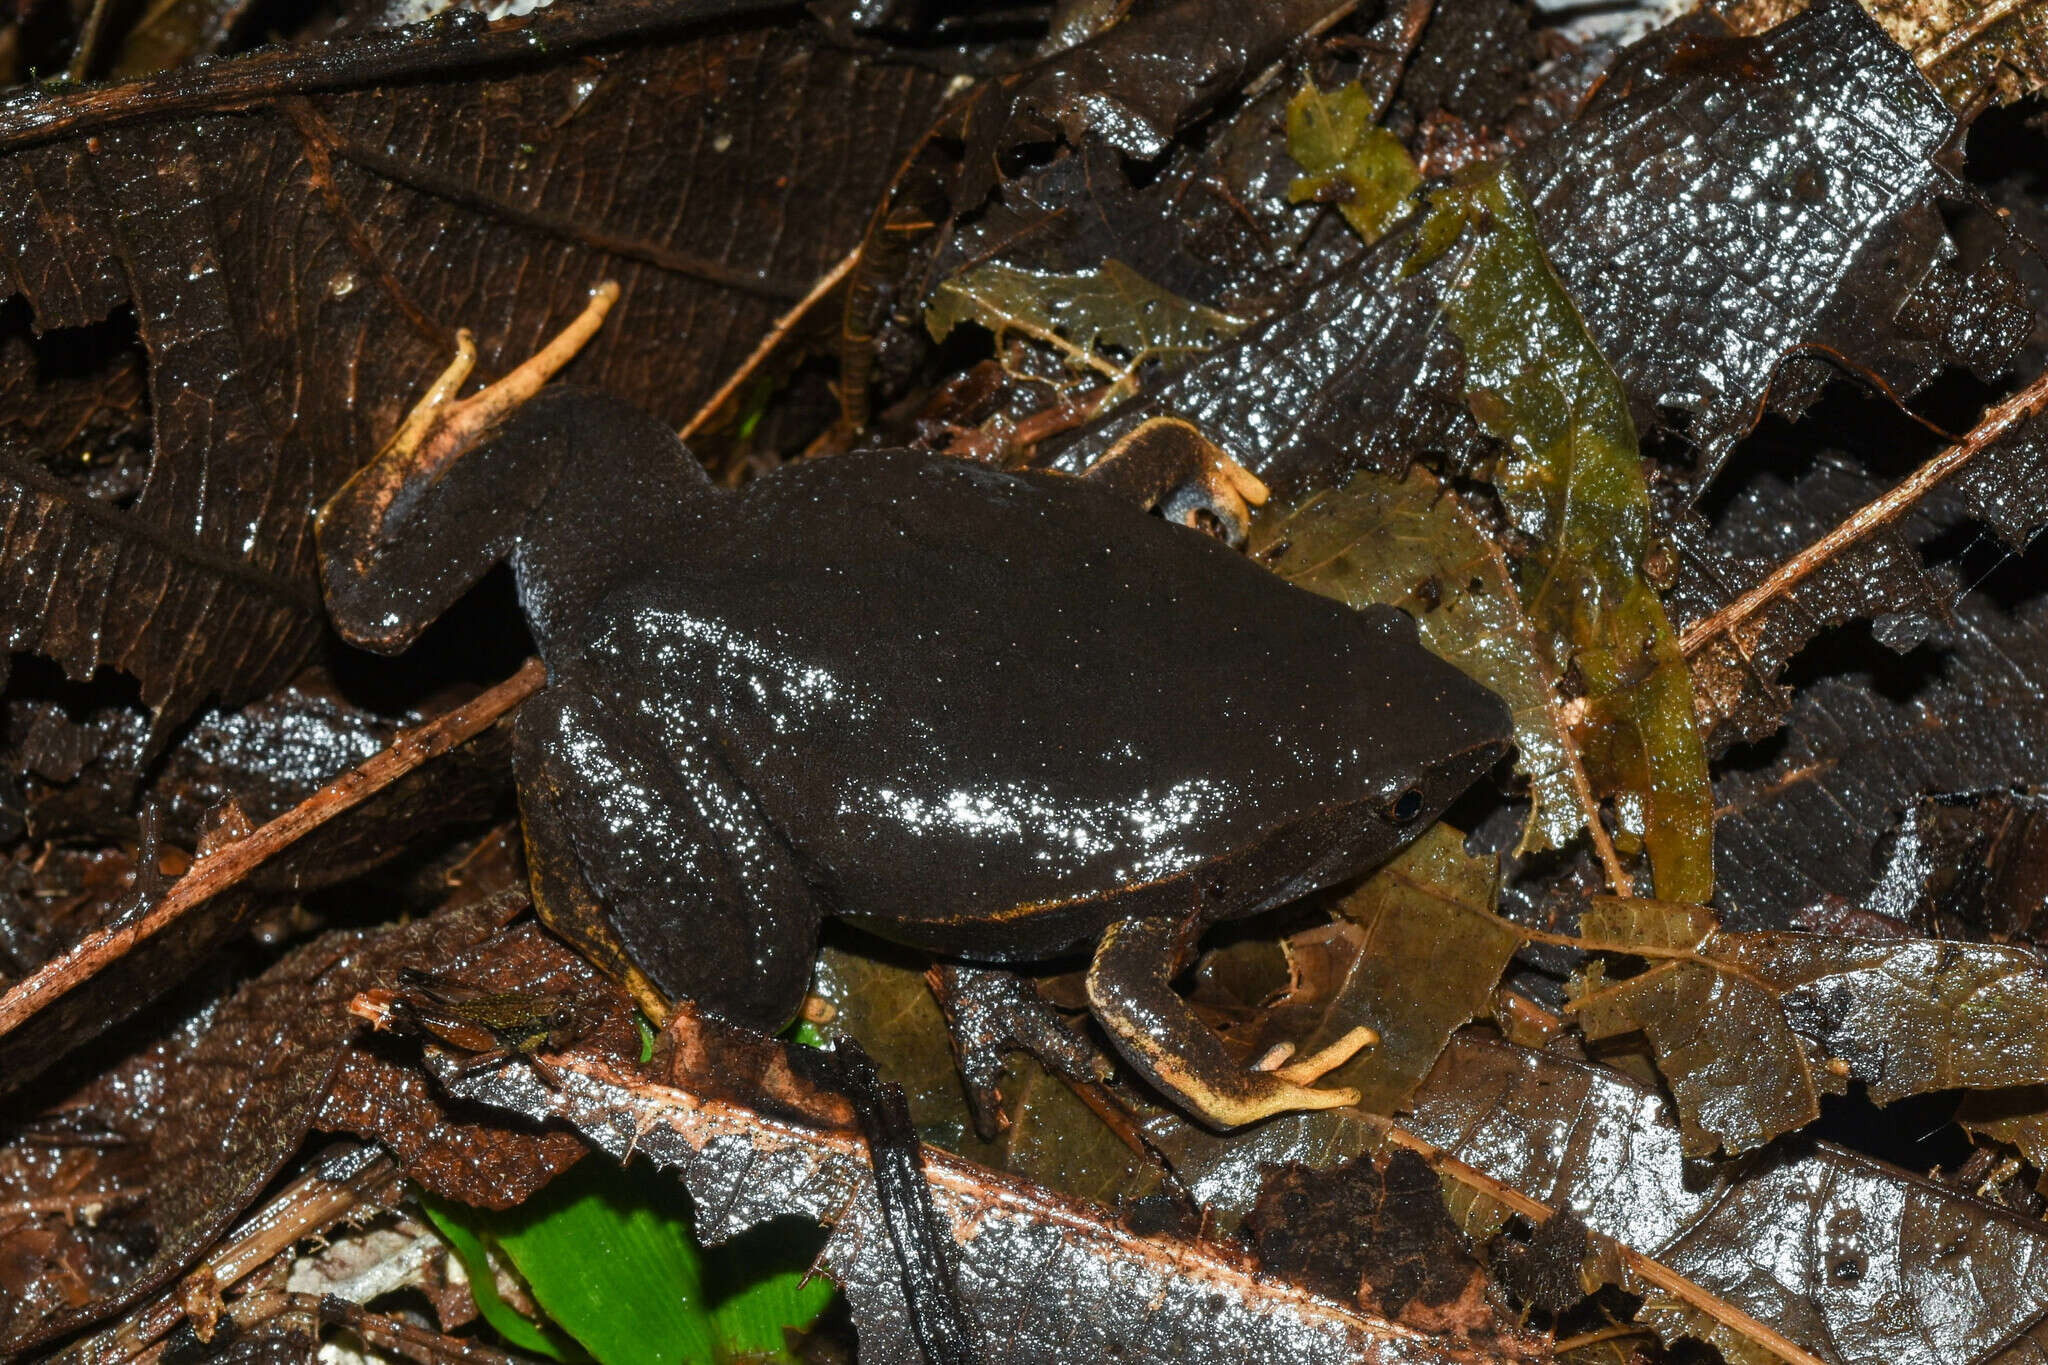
(1002, 716)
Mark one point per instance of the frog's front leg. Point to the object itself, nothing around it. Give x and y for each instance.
(1167, 463)
(649, 854)
(1130, 992)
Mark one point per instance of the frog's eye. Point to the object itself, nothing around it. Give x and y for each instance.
(1405, 807)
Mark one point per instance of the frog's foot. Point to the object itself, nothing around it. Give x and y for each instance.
(1168, 463)
(991, 1013)
(1131, 992)
(441, 428)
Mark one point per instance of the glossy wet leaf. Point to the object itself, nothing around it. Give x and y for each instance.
(1408, 543)
(609, 1254)
(1084, 315)
(1858, 1262)
(1573, 484)
(1703, 310)
(1348, 160)
(1750, 1027)
(1803, 820)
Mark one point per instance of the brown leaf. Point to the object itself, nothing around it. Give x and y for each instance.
(461, 1152)
(1378, 1236)
(1697, 310)
(220, 1110)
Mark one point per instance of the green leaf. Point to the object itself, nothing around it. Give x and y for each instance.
(508, 1322)
(610, 1256)
(1361, 168)
(1572, 483)
(1080, 314)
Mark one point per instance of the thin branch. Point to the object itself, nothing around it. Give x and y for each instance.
(309, 1205)
(79, 1203)
(438, 48)
(783, 325)
(223, 868)
(1894, 503)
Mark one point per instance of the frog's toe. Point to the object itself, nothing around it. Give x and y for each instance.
(1131, 994)
(441, 428)
(1312, 1068)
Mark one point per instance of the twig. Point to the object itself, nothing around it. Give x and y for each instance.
(783, 325)
(80, 1202)
(1616, 1333)
(219, 870)
(308, 1205)
(1891, 505)
(438, 48)
(1652, 1272)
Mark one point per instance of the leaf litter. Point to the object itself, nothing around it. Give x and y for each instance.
(1674, 239)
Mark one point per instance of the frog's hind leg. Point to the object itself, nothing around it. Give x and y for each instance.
(651, 856)
(1167, 463)
(1131, 993)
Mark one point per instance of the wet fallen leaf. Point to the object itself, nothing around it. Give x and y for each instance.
(1854, 1260)
(1573, 484)
(1083, 316)
(1347, 160)
(1042, 1278)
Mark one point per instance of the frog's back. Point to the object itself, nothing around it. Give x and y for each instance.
(991, 712)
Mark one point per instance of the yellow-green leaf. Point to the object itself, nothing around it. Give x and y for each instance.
(1084, 315)
(1361, 168)
(1572, 482)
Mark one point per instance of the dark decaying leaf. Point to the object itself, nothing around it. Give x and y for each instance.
(1377, 1234)
(81, 781)
(1801, 819)
(1858, 1262)
(1042, 1279)
(218, 1109)
(1869, 564)
(1969, 865)
(297, 270)
(1750, 1027)
(1711, 219)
